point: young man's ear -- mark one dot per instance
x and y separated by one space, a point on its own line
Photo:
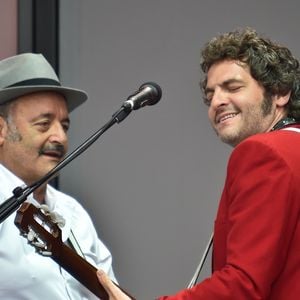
281 101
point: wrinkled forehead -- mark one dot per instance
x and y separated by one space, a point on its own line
226 70
40 99
40 103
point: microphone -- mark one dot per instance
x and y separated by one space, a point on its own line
149 93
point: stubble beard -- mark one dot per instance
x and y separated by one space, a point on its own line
252 124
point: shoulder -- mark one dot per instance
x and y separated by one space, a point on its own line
256 145
276 142
63 201
75 215
274 150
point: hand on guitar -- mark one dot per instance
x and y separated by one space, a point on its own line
45 235
112 290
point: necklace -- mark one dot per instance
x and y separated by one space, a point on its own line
283 122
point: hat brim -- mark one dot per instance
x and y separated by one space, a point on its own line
73 97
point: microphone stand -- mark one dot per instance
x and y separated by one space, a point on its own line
201 263
21 193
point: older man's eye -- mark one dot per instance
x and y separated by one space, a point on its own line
44 125
65 127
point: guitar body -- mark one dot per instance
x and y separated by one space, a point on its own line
45 236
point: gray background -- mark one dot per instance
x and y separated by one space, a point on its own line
152 183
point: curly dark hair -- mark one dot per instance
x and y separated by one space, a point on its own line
270 64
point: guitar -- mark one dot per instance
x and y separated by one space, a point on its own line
45 236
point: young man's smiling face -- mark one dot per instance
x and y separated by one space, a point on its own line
238 106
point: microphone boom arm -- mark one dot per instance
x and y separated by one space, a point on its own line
21 193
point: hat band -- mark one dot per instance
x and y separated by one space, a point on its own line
35 81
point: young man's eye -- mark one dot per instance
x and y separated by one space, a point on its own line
234 88
207 97
207 101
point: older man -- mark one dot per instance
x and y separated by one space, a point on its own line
34 122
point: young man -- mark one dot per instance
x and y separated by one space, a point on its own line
252 89
34 121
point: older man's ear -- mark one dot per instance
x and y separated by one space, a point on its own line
3 129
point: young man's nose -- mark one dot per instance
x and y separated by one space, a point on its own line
219 98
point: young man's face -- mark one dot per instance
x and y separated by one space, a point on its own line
237 104
34 138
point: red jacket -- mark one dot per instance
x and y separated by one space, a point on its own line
257 229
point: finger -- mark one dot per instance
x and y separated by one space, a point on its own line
113 291
104 279
107 283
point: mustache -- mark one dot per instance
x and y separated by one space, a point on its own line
59 149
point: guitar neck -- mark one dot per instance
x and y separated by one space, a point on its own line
80 269
31 219
83 271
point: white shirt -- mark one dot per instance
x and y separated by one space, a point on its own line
25 274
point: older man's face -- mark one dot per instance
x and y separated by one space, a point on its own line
34 138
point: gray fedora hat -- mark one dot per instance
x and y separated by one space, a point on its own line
29 73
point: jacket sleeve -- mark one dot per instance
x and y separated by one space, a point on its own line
258 211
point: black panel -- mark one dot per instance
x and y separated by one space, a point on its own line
38 29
